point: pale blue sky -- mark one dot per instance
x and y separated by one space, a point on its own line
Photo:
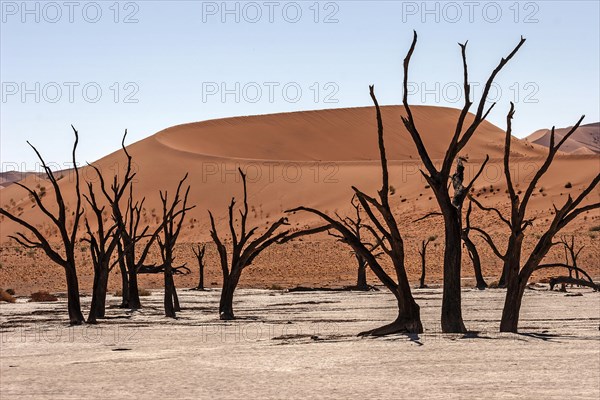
172 56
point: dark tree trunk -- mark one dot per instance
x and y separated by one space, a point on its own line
98 306
502 280
408 320
201 279
176 305
133 292
515 288
124 285
423 253
452 321
169 295
474 255
73 304
422 284
361 280
512 305
226 303
512 258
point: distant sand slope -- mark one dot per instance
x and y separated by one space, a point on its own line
585 140
9 177
309 158
330 135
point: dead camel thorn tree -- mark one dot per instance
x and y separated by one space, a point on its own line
472 250
573 253
68 236
423 254
199 252
355 225
247 244
117 235
173 217
518 274
451 205
103 243
468 243
134 238
387 234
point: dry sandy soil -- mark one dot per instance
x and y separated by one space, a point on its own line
303 345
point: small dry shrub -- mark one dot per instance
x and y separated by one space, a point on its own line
41 296
7 297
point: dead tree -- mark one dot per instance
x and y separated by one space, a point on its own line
387 234
246 245
133 238
65 257
115 236
472 251
103 243
573 281
423 254
199 252
173 217
356 226
573 253
124 278
518 274
468 243
438 179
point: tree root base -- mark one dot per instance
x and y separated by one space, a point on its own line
226 317
398 326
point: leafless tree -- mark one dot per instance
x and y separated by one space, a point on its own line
387 234
439 179
199 252
572 252
518 273
114 236
472 250
247 244
103 243
571 256
173 217
356 226
65 257
136 243
423 254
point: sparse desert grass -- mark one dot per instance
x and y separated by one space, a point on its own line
41 296
275 287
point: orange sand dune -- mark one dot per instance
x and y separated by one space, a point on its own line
585 140
311 158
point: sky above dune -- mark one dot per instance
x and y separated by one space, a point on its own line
146 65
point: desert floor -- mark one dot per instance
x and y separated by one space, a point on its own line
303 345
